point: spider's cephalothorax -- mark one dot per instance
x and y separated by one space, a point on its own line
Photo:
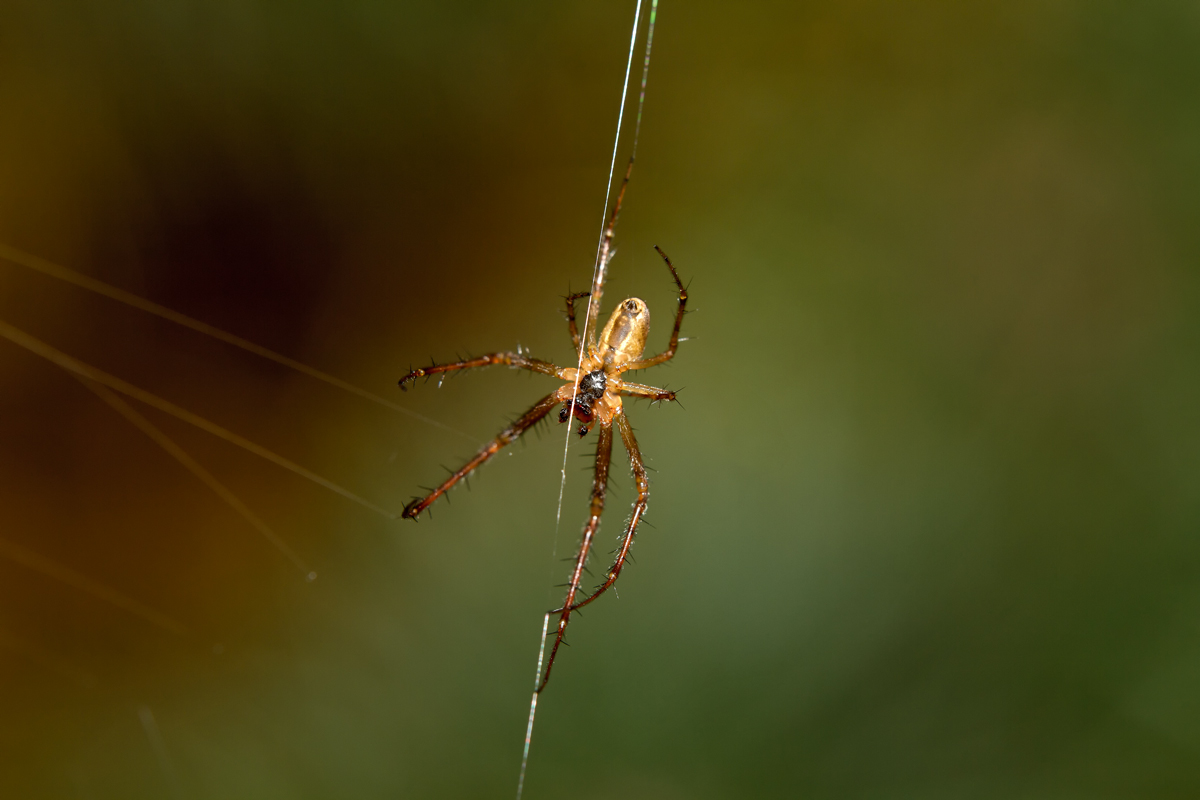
591 393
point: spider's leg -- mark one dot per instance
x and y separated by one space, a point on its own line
669 353
603 256
507 359
639 509
651 393
599 485
575 340
507 436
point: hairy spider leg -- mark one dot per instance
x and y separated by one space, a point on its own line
651 393
506 437
575 340
588 346
669 353
603 256
639 509
599 486
507 359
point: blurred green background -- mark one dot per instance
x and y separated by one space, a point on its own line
927 527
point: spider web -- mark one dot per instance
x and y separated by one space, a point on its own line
599 272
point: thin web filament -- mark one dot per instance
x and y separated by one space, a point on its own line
598 274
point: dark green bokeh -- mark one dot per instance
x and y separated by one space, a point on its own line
926 528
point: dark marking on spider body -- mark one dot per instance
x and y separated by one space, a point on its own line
591 390
592 385
592 393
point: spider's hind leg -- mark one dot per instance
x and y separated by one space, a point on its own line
599 487
639 509
517 360
506 437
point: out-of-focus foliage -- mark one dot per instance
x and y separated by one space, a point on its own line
926 528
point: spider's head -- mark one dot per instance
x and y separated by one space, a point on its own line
624 337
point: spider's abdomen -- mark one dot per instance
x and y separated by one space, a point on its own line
624 337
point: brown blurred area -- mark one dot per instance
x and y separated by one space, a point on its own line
926 526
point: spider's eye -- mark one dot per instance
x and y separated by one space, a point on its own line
631 305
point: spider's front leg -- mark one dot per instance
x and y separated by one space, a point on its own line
507 436
507 359
599 485
575 340
603 256
673 345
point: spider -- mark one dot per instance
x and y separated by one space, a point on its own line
592 394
